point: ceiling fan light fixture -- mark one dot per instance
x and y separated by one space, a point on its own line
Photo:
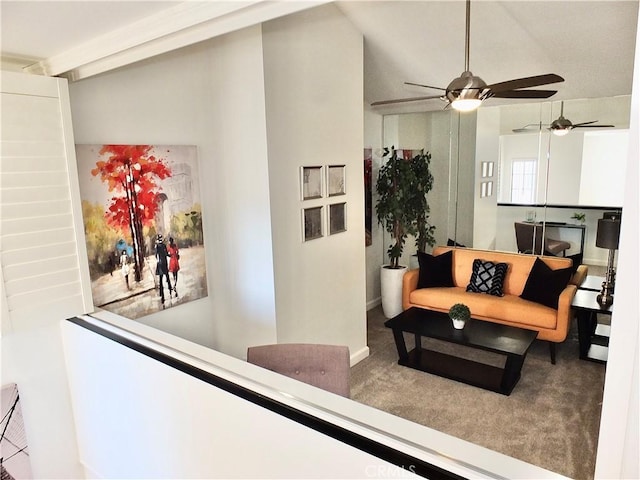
466 104
465 92
561 126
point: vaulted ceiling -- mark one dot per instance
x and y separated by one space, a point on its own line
591 44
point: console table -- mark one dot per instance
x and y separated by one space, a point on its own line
593 337
582 228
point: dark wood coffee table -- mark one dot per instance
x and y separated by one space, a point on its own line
493 337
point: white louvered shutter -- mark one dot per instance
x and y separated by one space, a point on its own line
45 276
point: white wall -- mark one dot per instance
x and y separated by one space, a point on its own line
619 440
210 95
604 162
314 80
255 123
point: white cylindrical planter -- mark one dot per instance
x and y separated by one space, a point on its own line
391 290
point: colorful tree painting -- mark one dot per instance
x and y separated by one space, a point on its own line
132 174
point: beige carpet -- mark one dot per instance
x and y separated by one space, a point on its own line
551 419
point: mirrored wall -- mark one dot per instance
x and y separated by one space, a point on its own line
504 165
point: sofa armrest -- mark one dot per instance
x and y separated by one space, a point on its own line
580 275
409 284
564 312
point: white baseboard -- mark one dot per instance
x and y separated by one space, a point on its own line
374 303
594 261
359 355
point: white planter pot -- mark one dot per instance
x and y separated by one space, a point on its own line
391 290
458 324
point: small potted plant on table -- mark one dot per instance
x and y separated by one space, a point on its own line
459 314
579 218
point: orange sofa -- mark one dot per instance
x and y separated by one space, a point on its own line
551 324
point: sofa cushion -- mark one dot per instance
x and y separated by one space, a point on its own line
519 265
545 285
487 277
510 309
435 271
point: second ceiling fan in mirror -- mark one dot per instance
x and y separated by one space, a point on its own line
466 92
560 126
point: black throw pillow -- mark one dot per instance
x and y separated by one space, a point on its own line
545 285
435 271
452 243
577 261
487 277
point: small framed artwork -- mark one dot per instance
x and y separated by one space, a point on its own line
337 218
487 169
311 182
486 189
311 223
336 180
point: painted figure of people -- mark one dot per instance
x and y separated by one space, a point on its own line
174 263
124 267
162 266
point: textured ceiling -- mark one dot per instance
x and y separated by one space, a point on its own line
590 44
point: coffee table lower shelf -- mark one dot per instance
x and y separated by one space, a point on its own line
477 374
511 342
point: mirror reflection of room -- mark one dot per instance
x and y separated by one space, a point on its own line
504 166
562 182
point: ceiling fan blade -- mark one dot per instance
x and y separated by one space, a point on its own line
403 100
425 86
530 127
522 94
582 125
526 82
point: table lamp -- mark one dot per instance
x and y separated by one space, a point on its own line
608 236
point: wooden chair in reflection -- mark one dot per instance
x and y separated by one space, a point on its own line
529 240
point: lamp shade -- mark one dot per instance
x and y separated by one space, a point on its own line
608 235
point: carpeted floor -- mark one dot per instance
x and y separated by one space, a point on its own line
551 419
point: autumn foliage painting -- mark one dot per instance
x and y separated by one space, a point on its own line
143 226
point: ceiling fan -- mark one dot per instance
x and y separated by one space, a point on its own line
466 92
561 126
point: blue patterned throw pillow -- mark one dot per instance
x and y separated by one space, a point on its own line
487 277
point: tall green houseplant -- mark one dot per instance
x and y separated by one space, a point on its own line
419 204
402 207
